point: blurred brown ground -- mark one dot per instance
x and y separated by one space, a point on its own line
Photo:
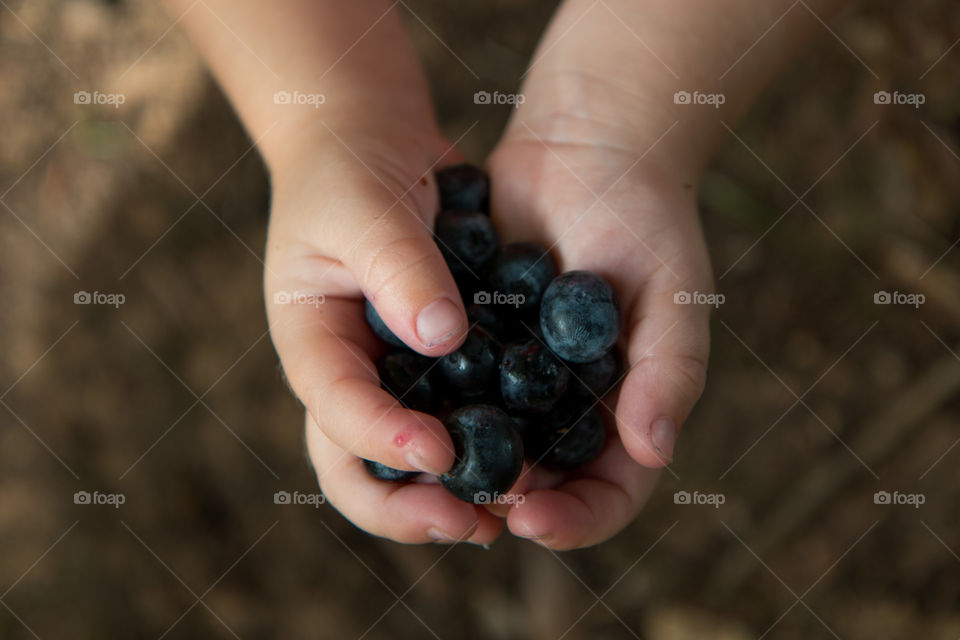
110 206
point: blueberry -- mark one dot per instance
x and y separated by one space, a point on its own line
531 378
467 241
569 436
464 187
580 316
409 377
521 271
472 367
389 474
596 379
526 427
484 316
489 453
461 397
524 326
379 327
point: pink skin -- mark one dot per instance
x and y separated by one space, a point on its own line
666 344
348 237
599 161
328 351
354 202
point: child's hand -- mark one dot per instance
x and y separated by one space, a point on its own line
603 210
353 217
353 208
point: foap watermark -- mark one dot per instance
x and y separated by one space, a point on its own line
911 99
299 297
697 97
296 498
484 497
298 98
97 498
485 97
897 297
912 499
97 97
696 297
712 499
498 297
98 297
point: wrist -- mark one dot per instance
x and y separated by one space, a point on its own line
366 129
334 158
584 109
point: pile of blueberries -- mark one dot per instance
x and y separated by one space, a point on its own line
538 354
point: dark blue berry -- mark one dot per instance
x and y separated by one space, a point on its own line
531 378
460 397
569 436
580 316
489 453
379 327
523 326
520 272
596 379
485 316
473 367
389 474
464 187
467 241
409 377
525 425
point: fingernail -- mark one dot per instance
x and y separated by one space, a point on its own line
438 322
529 535
663 434
543 540
440 535
416 461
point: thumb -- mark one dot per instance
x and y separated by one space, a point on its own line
667 349
385 241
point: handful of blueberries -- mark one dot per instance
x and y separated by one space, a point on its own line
538 354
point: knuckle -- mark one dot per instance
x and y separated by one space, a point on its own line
685 373
392 260
691 372
337 409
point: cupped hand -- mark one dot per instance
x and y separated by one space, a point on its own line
352 218
607 209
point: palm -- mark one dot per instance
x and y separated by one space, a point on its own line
601 210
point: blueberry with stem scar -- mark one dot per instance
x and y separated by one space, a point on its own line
473 367
531 378
463 187
489 453
467 241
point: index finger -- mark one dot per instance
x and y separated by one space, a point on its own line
326 352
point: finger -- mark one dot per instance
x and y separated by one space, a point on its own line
591 508
409 513
668 344
531 478
325 353
384 238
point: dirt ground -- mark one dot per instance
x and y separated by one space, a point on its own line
817 399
